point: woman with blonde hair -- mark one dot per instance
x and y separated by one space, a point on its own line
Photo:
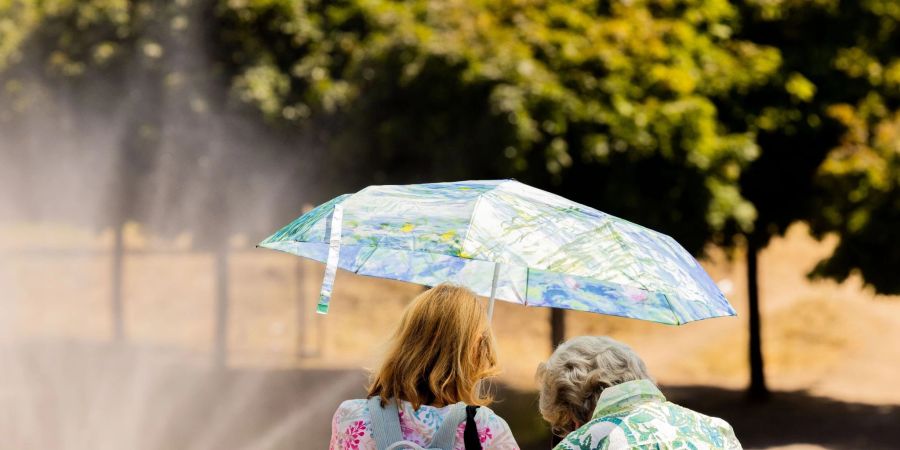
597 394
428 392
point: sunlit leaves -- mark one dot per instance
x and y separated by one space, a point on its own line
849 76
573 80
18 18
800 87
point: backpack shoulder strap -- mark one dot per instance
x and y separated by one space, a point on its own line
385 422
445 436
470 435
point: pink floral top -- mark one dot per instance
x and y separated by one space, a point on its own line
350 427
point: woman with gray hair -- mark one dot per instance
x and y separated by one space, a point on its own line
597 393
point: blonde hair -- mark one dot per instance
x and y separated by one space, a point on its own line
572 380
440 353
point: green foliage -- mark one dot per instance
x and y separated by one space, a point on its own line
135 84
829 137
78 44
861 181
17 20
553 85
861 175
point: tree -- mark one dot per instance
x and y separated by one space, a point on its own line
859 180
145 73
826 125
84 49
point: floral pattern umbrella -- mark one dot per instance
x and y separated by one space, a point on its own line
509 241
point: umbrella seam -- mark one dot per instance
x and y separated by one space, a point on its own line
678 319
472 216
618 239
527 277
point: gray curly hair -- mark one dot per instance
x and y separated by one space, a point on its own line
572 380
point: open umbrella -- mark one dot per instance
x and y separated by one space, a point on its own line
508 241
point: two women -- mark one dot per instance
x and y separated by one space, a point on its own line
428 392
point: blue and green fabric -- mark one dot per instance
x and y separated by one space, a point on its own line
548 251
635 414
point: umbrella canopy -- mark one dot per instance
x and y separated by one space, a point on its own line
520 243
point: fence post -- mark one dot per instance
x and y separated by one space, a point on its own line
220 350
118 262
301 310
303 319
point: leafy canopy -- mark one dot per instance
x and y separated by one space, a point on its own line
562 85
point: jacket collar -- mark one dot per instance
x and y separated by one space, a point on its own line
622 396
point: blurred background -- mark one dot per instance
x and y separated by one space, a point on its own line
147 145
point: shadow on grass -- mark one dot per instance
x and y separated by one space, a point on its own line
78 396
787 418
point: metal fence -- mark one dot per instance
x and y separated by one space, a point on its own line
62 291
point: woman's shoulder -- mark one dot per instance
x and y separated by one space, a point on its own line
351 426
598 434
353 409
485 413
354 403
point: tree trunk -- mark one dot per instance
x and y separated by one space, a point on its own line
557 327
758 389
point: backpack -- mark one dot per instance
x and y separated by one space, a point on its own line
388 436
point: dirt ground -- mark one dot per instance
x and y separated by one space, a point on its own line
832 350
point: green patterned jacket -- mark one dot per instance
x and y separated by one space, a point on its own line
636 415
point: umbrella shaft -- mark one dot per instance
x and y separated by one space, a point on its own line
490 311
